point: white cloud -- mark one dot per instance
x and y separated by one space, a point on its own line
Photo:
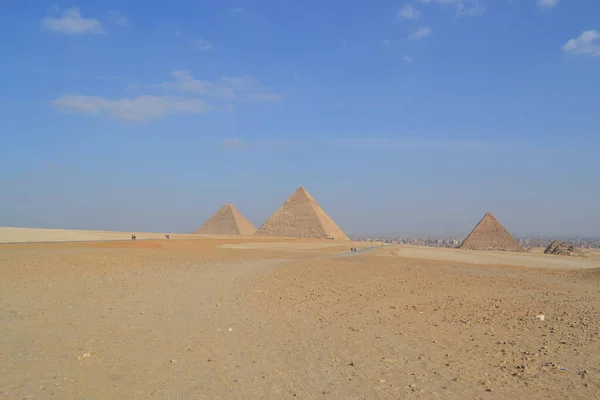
547 3
118 17
407 59
587 43
186 83
242 88
238 10
193 97
408 11
234 143
467 8
421 33
72 23
137 109
203 45
386 42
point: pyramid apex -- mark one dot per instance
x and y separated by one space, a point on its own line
302 194
228 206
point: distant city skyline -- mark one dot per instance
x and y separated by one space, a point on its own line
399 117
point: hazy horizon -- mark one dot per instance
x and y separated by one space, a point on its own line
123 117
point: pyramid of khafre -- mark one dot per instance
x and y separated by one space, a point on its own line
301 217
227 221
489 234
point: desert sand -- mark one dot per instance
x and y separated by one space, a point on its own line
199 317
31 235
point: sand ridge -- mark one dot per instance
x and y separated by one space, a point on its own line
35 235
527 260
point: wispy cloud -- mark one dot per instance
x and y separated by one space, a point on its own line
234 143
408 11
242 88
421 33
118 17
203 45
547 3
407 59
587 43
238 10
386 42
467 8
192 96
72 23
137 109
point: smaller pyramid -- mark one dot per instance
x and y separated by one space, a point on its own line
489 234
562 249
227 221
301 217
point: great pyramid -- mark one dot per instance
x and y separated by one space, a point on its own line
301 217
489 234
227 221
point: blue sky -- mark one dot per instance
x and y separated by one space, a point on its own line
398 116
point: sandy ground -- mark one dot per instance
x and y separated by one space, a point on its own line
532 260
197 318
30 235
